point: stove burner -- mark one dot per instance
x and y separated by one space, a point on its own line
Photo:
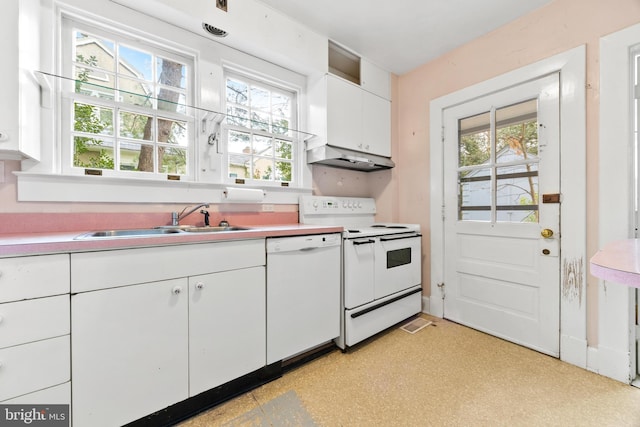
395 226
378 226
354 231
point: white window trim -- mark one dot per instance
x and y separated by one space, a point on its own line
298 152
572 69
616 353
44 182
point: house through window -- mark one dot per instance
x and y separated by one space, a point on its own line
127 110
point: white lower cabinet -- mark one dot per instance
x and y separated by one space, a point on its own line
129 349
227 336
139 348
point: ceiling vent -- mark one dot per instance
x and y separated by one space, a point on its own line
214 30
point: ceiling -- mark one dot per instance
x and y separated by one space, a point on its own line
401 35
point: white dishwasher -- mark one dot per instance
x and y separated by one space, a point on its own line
303 293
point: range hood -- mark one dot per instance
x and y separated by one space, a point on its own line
347 159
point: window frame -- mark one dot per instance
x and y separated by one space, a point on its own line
65 116
294 139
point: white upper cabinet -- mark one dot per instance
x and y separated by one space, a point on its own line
358 103
374 79
19 91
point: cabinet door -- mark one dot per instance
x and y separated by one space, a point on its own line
374 79
376 120
129 351
227 331
344 114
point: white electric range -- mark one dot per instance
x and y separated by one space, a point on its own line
381 267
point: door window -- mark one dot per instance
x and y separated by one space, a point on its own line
498 165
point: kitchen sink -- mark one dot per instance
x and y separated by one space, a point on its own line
154 232
212 229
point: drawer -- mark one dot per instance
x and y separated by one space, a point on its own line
35 366
107 269
33 320
56 395
33 277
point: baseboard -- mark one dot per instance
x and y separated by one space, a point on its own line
592 359
614 364
573 350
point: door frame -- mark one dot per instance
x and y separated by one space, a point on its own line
573 264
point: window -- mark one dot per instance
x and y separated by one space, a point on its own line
259 132
126 114
498 165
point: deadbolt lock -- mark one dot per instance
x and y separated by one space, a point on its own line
546 233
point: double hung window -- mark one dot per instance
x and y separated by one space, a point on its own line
258 128
125 105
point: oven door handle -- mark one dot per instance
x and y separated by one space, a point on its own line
363 242
387 239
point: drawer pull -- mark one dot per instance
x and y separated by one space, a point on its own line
176 290
199 285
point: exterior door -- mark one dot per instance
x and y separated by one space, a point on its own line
502 214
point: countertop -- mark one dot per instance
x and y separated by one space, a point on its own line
48 243
618 262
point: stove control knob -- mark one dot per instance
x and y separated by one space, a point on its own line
359 204
344 204
315 204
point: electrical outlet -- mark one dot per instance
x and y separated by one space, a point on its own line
268 208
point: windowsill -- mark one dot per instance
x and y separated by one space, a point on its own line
35 187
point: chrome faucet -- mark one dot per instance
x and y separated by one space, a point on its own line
177 217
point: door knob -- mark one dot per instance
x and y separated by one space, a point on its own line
546 233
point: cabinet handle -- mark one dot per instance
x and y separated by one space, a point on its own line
176 290
366 147
199 285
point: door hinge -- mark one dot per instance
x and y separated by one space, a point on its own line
442 134
441 286
636 92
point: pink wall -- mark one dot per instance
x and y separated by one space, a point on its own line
555 28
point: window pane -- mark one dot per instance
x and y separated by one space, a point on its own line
238 116
280 105
517 193
280 126
92 153
283 149
94 83
283 171
172 160
136 92
474 195
260 99
136 126
239 166
517 132
239 142
135 63
94 51
262 145
92 119
474 147
262 168
260 121
173 132
237 92
130 155
171 73
169 100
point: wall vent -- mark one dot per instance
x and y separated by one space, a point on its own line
214 30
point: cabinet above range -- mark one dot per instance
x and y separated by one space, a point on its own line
351 114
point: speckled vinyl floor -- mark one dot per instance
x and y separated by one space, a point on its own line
443 375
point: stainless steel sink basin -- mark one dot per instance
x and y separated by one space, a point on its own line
142 232
212 229
151 232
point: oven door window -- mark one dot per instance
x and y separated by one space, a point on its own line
398 257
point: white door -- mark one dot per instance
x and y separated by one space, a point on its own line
502 197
